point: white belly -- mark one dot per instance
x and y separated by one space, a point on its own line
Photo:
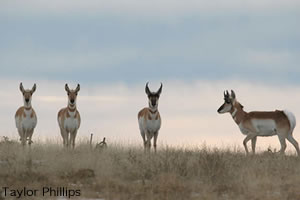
266 127
26 123
243 130
150 126
29 123
71 124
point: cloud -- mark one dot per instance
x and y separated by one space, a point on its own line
133 41
273 60
188 110
43 60
156 9
197 48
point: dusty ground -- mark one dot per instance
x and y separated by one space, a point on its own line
122 172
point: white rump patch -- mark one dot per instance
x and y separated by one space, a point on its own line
292 119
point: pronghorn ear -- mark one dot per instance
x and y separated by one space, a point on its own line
21 87
147 90
77 88
160 89
242 106
232 94
67 88
33 89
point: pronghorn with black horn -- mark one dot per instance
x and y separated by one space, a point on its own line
25 116
149 118
69 118
253 124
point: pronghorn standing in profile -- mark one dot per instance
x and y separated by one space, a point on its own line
25 116
149 118
253 124
69 118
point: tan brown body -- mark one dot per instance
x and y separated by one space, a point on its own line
26 121
149 119
253 124
147 114
21 112
69 118
278 117
149 124
66 114
25 116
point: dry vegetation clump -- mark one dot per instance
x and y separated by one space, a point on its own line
122 172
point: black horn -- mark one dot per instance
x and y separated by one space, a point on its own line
147 90
160 89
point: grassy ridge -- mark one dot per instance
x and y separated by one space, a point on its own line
123 172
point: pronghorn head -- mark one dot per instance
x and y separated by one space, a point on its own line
153 97
72 94
229 102
27 94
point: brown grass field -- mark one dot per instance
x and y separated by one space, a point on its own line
123 172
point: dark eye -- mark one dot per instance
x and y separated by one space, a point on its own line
68 93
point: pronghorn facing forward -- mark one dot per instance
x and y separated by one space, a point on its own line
25 116
69 118
253 124
149 118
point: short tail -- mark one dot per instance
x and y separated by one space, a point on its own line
292 119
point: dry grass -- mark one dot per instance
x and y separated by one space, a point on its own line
123 172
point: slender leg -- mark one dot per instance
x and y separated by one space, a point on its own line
148 141
72 138
155 140
144 140
24 137
30 133
20 131
68 139
292 140
64 135
282 143
249 137
253 143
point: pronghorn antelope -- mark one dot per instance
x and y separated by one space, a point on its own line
149 118
253 124
69 118
25 116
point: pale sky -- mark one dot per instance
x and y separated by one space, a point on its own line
197 48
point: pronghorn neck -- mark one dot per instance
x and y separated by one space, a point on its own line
71 108
153 110
237 112
27 108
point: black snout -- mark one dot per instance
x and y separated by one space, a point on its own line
153 103
221 108
72 101
27 100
